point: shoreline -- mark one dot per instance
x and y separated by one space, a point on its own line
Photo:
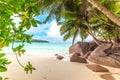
42 54
49 68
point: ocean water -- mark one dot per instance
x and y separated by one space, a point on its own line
42 48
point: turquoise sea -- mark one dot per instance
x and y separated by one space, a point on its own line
39 48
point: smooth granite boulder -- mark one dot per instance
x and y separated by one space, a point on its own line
77 58
81 50
99 56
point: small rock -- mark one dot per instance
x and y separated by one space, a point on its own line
59 56
97 68
107 77
77 58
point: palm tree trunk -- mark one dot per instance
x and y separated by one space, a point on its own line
95 39
105 11
90 32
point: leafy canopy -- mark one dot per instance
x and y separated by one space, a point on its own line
79 19
26 11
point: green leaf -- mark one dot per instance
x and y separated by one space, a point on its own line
1 78
27 24
7 62
35 10
67 36
2 54
34 22
29 68
22 51
63 29
3 69
38 22
74 36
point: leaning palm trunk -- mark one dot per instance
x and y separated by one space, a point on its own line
95 39
105 11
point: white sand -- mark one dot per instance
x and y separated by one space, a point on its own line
49 68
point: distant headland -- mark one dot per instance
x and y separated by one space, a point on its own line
39 40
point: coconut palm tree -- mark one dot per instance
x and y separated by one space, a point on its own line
108 28
106 11
81 18
73 13
73 24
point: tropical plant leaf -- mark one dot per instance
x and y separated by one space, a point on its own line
2 55
29 68
75 35
3 69
1 78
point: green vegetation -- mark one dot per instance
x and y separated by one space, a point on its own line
25 10
81 18
3 62
38 40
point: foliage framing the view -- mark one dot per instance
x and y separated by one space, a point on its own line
25 10
80 18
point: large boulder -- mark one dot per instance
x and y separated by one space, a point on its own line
80 47
106 54
99 56
81 50
76 58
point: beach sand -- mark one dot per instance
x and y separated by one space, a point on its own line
49 68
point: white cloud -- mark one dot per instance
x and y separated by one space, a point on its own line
53 33
54 30
37 30
51 30
48 31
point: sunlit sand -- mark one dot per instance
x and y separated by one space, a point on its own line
49 68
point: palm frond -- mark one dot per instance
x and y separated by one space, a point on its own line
75 35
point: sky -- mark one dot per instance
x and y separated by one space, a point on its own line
49 31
